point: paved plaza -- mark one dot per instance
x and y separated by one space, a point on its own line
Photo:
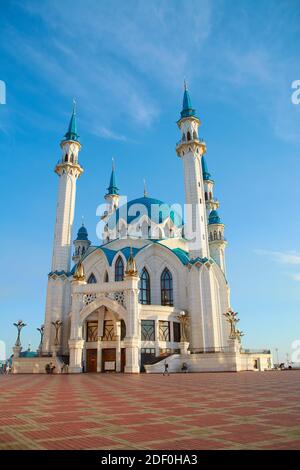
246 410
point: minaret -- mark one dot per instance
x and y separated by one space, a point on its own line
191 149
210 202
81 243
217 242
58 289
112 203
69 170
112 195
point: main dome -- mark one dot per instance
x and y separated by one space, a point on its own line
157 211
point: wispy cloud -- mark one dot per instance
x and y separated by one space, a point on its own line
287 257
295 276
106 133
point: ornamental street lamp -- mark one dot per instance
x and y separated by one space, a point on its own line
57 325
19 325
41 331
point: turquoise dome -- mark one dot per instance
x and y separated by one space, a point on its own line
158 211
82 233
214 218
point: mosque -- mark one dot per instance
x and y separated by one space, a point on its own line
155 291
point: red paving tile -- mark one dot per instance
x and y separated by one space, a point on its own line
182 411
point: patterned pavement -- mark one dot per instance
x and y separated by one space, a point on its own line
247 410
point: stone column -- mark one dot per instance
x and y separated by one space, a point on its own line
99 342
118 346
132 340
99 355
75 347
132 356
76 342
156 326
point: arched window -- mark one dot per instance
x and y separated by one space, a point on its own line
210 195
119 269
66 157
166 287
188 135
106 278
206 196
220 235
145 288
92 279
195 135
215 235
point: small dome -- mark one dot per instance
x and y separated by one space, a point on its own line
214 218
82 233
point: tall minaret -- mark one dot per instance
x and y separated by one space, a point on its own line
191 149
68 170
58 289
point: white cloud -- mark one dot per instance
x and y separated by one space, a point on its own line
288 257
106 133
295 276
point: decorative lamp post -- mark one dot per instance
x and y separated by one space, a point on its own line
239 334
232 319
57 325
20 324
17 347
184 325
41 331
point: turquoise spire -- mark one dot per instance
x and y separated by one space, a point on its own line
187 109
205 172
71 134
113 189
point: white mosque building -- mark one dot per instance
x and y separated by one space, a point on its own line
155 291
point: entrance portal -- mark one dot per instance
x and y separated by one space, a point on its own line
108 359
91 360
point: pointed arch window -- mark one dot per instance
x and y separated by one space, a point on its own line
92 279
166 287
145 297
119 269
188 135
106 278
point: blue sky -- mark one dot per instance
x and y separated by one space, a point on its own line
125 62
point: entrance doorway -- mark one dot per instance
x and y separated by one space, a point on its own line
108 359
147 357
91 360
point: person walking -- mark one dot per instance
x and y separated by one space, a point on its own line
166 371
